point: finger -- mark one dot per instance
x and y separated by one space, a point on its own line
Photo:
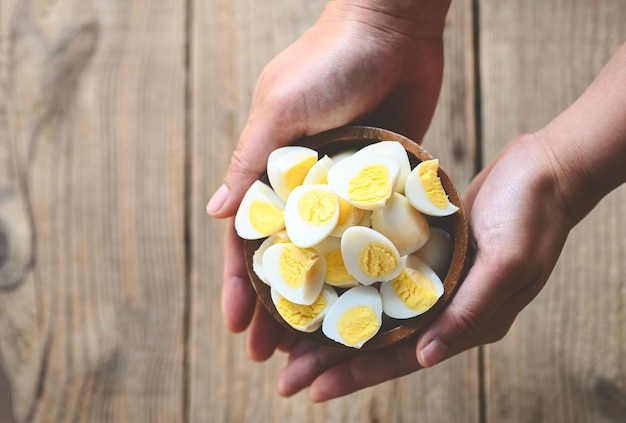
265 334
302 370
365 370
300 348
238 296
288 342
489 283
270 126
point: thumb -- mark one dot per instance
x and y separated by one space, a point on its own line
247 164
464 323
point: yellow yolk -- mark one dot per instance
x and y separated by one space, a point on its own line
377 260
432 183
345 209
298 265
358 324
411 287
317 207
298 314
296 174
267 218
370 185
336 272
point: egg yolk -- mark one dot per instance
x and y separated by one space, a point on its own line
371 185
345 209
298 265
317 206
300 315
336 272
377 260
266 218
432 184
358 324
296 174
411 288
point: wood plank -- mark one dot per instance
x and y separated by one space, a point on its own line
231 43
93 331
563 359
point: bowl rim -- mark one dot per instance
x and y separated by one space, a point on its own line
393 331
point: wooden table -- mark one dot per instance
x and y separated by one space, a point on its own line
117 119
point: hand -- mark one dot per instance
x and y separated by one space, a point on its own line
519 223
356 64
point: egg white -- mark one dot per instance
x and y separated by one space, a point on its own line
281 161
319 172
405 226
437 252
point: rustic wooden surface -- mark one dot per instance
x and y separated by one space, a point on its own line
117 118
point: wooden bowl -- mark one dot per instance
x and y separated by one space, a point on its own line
392 330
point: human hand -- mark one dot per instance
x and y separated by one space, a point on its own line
519 222
361 62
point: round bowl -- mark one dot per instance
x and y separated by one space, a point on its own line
392 330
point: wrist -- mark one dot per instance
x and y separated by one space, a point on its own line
423 19
587 142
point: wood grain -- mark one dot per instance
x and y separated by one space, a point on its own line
93 329
231 43
563 359
117 121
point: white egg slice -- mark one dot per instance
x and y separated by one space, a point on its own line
336 273
342 155
319 171
305 318
257 257
425 192
405 226
311 214
396 151
348 216
413 292
355 318
369 256
260 214
364 180
296 273
437 252
288 166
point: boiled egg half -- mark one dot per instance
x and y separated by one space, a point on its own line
424 190
355 317
260 214
413 292
369 256
296 273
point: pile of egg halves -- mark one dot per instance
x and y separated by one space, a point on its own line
347 238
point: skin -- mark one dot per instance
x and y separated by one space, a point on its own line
521 207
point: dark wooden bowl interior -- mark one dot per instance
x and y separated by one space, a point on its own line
392 330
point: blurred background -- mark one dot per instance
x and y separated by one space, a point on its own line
117 120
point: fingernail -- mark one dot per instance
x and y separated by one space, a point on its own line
433 352
217 201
